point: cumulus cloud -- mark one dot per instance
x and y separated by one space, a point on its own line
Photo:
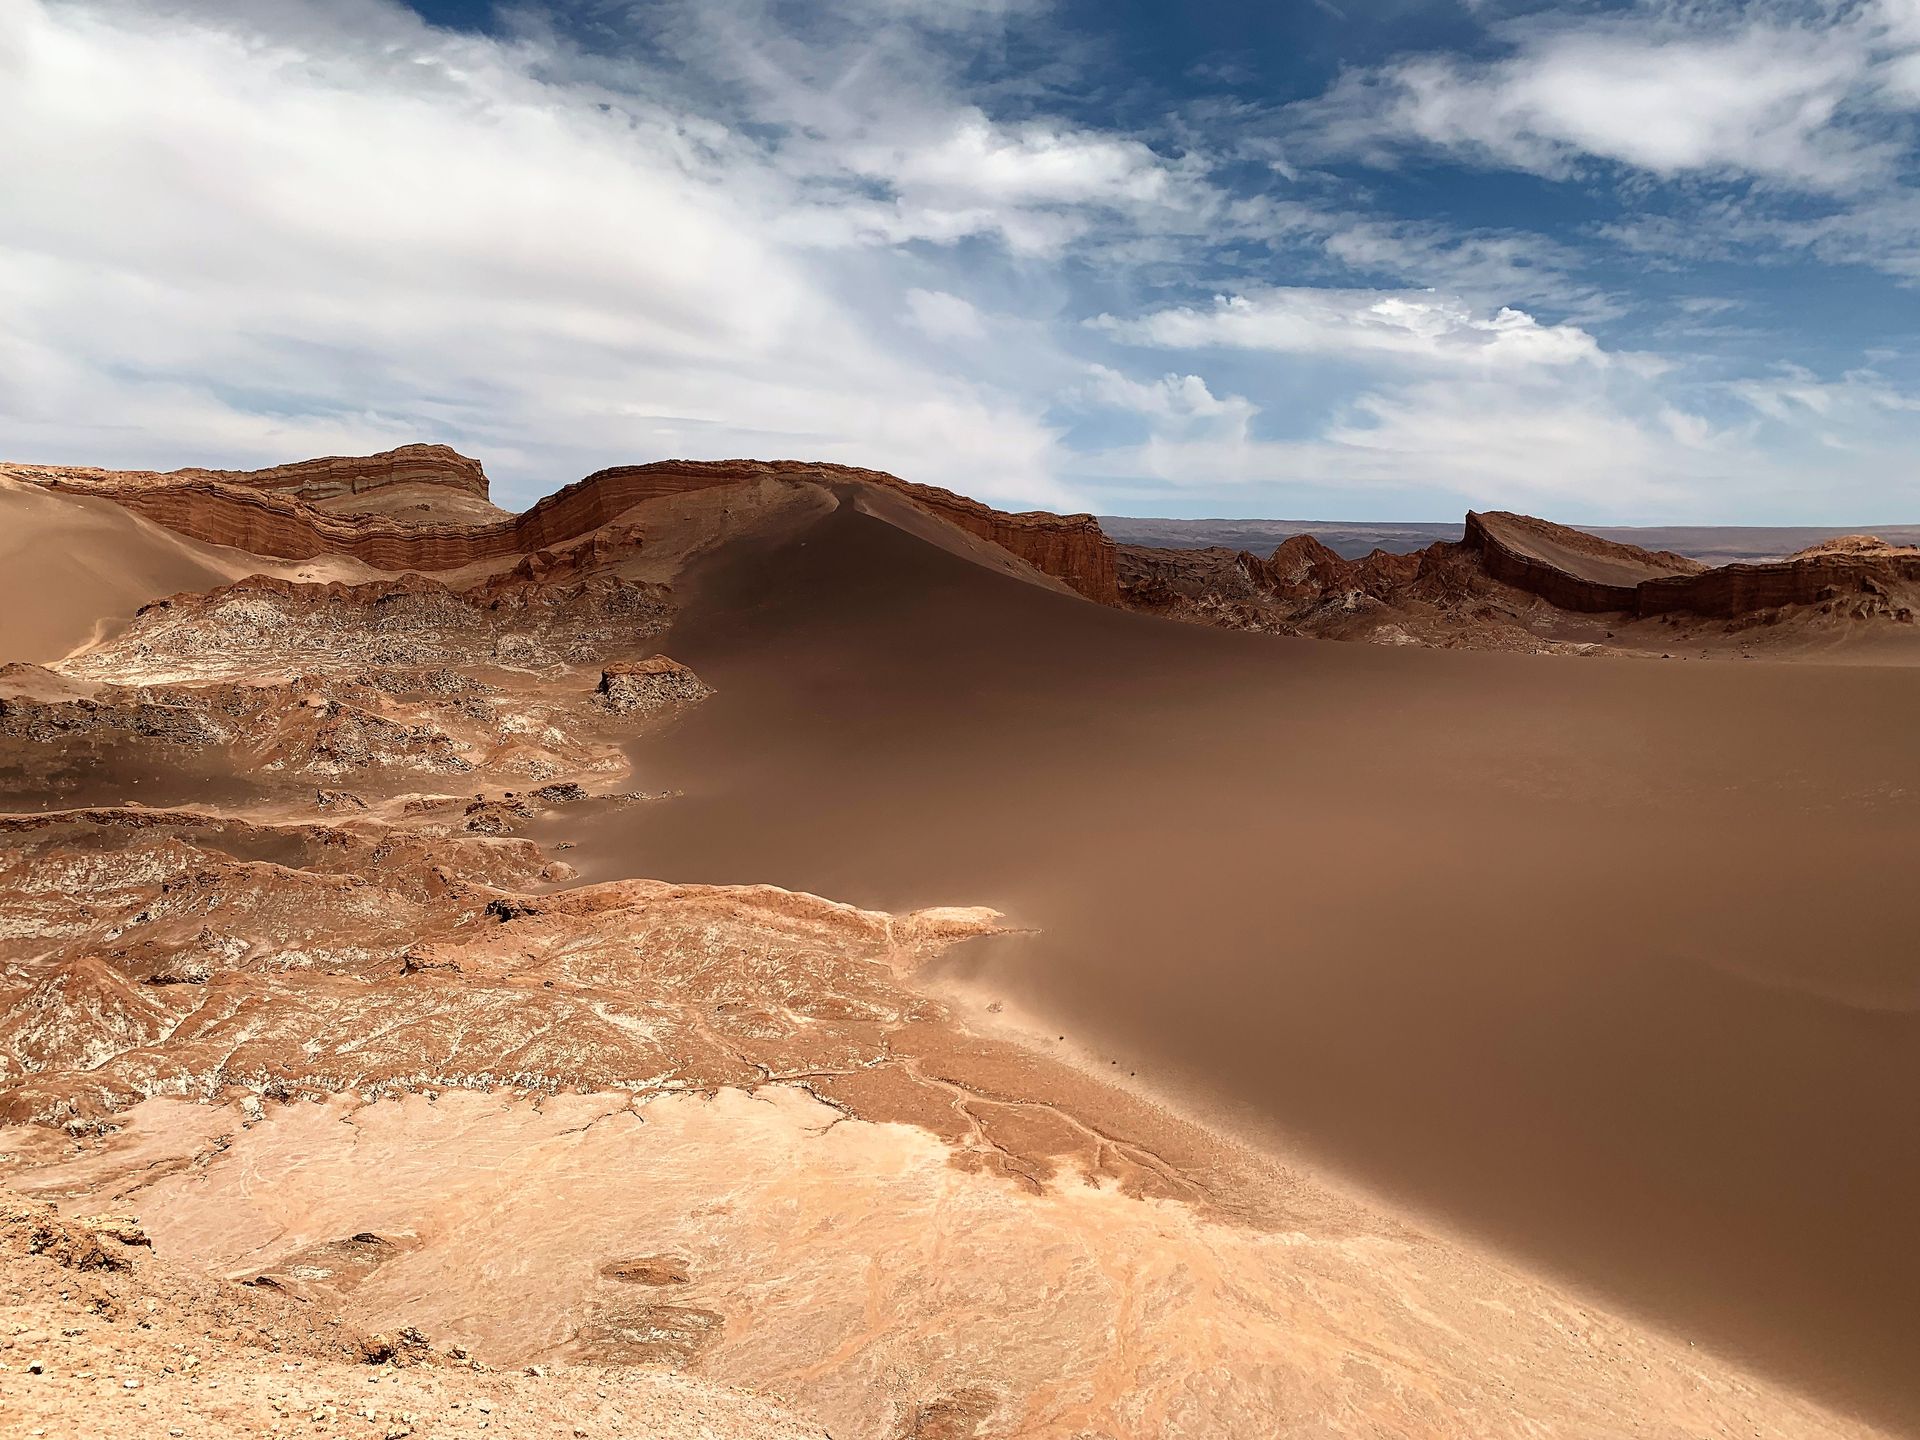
1175 407
1416 326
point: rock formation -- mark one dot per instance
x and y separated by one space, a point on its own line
332 477
267 512
649 685
1566 567
1516 582
1862 582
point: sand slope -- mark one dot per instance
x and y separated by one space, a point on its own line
1608 960
71 568
1603 961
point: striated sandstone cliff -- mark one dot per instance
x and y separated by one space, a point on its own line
268 512
333 476
1072 548
1565 567
326 478
1580 572
1813 578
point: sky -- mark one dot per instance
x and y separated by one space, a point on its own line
1355 259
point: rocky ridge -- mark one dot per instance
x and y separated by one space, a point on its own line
1518 583
1512 581
271 515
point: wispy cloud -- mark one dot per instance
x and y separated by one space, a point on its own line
1810 100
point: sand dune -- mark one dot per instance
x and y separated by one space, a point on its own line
1600 964
71 568
1605 960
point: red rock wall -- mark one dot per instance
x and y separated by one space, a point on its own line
334 475
231 511
265 523
1743 588
1727 591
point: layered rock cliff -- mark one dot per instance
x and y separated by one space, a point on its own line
1580 572
1071 548
1818 577
269 512
329 477
1565 567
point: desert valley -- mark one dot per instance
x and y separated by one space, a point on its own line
763 949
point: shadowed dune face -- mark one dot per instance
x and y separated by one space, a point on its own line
72 569
1607 960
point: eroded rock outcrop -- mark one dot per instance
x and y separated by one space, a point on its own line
1567 567
367 964
1514 582
263 624
333 476
1882 580
325 479
649 685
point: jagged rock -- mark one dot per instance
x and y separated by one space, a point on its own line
90 1244
496 817
649 685
123 1229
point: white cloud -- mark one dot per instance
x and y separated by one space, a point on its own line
222 243
940 316
1498 266
946 176
861 113
1174 406
976 160
1463 443
1579 443
1794 393
1672 90
240 234
1410 325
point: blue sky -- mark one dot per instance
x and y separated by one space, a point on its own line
1345 259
